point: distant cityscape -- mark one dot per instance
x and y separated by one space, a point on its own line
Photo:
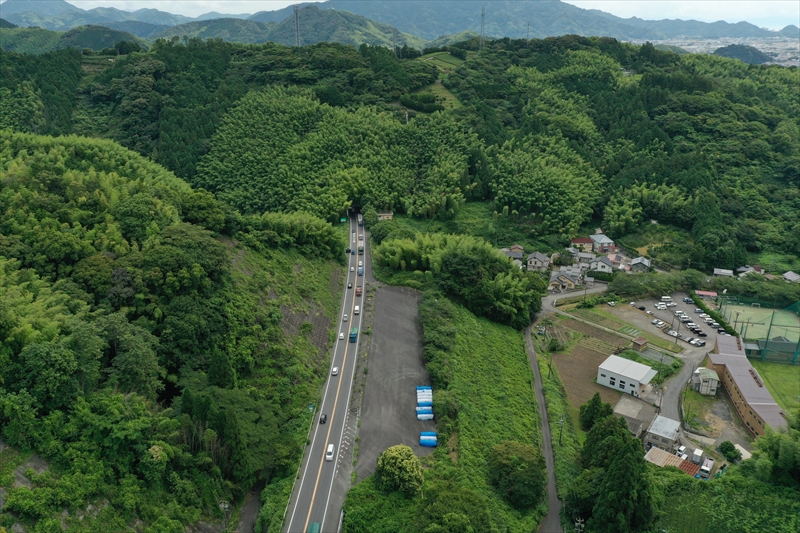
785 51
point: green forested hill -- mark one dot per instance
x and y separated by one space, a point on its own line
747 54
315 26
39 41
227 29
6 24
147 356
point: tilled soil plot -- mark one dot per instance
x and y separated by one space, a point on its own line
592 331
578 371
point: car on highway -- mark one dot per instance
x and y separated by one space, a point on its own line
360 237
344 318
341 336
349 285
323 418
329 453
352 269
335 371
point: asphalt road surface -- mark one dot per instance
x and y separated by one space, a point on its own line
316 496
396 367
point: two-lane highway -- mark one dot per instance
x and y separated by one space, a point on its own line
311 497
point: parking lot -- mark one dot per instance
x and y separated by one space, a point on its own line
388 415
644 319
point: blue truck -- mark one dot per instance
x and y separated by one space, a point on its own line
360 271
353 334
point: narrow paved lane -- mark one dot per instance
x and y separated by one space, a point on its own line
552 521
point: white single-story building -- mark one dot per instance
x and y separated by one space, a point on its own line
624 375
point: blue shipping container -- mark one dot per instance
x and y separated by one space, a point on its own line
424 387
427 433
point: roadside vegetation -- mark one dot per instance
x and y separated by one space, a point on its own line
151 366
483 398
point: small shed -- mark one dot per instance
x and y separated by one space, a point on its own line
385 215
640 344
705 381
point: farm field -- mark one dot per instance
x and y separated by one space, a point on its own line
578 371
603 318
783 381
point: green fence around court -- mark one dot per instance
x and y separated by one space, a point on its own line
769 334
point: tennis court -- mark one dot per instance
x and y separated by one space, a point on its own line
757 323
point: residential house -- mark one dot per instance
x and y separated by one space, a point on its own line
385 215
561 281
514 252
576 271
624 375
517 263
616 260
601 264
663 433
585 244
538 261
791 277
602 244
705 381
750 398
723 272
641 264
584 257
637 413
659 457
516 248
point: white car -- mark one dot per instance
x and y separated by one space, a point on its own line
344 318
352 269
672 304
341 336
335 371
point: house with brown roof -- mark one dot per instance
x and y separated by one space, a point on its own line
752 401
583 243
538 261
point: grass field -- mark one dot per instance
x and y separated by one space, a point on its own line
447 99
443 60
783 381
754 322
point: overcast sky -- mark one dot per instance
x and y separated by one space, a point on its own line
773 14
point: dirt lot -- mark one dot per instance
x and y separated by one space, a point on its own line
578 371
597 333
395 368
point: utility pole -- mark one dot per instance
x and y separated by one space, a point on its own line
483 18
297 26
528 35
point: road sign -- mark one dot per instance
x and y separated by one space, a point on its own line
343 219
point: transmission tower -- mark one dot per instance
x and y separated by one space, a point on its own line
297 26
483 18
528 35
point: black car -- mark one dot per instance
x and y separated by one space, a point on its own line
702 334
641 308
687 300
323 419
347 250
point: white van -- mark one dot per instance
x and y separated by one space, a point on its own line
666 298
356 311
329 453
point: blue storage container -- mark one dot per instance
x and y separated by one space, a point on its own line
423 387
428 433
425 404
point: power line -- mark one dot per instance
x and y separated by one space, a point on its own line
483 19
297 26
